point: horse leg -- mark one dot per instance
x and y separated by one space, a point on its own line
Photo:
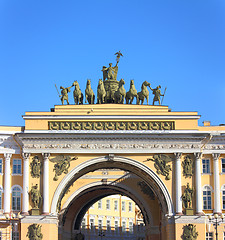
147 99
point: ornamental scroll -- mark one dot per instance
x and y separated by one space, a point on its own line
130 125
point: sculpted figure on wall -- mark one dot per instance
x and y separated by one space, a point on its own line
62 164
34 232
187 197
187 165
189 232
36 197
35 167
161 164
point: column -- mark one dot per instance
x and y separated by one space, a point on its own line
178 183
46 184
25 204
198 183
217 207
7 184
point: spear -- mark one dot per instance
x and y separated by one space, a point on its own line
57 91
164 95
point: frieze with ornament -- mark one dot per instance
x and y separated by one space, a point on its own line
130 125
111 146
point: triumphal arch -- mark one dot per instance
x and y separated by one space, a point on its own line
169 165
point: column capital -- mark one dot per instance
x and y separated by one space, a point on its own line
198 155
7 155
25 156
216 156
178 155
46 156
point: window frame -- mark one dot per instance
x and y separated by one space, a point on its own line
15 199
16 167
1 166
100 204
207 237
205 169
116 208
108 207
207 198
222 168
123 206
130 207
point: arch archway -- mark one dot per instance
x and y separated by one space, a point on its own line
118 162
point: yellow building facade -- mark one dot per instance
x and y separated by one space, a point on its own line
145 151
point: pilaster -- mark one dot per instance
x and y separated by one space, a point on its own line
25 203
46 183
198 183
217 207
7 184
178 183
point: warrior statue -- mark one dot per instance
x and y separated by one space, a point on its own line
157 94
64 94
187 197
36 197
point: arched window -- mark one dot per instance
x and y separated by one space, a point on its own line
223 196
16 198
207 197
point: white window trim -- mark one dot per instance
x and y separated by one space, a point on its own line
17 174
209 166
21 190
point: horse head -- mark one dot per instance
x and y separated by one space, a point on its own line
122 82
131 83
88 82
76 84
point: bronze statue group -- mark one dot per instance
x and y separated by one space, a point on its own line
110 90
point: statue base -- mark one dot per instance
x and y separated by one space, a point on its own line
35 211
189 211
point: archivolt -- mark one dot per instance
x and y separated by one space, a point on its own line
126 164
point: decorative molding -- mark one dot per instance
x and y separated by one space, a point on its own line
111 125
198 155
216 156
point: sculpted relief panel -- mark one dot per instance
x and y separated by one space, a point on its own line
131 125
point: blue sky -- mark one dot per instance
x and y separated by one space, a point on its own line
179 44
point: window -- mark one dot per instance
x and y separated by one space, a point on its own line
17 169
100 204
223 235
205 166
130 206
131 227
223 196
16 199
107 204
0 235
123 206
207 198
92 224
1 168
209 236
99 223
116 205
223 165
116 226
0 200
15 236
108 225
83 223
123 226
